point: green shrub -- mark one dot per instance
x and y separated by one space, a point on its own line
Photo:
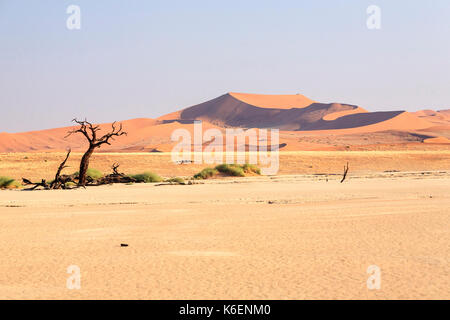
234 170
251 168
231 170
147 177
8 183
205 173
70 184
92 173
176 180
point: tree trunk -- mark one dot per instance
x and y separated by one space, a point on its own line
84 165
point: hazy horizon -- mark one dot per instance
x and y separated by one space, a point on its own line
144 59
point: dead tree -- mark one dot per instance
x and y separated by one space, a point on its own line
90 133
57 183
35 185
345 173
115 177
114 168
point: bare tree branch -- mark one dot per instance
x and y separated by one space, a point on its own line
114 167
56 184
345 173
42 184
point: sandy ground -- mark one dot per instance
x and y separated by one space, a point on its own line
36 166
284 237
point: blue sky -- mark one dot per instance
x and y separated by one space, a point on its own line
147 58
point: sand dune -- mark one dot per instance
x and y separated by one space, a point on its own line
441 117
300 234
143 135
295 115
273 101
339 114
437 140
373 122
227 110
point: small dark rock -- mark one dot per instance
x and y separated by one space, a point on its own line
124 245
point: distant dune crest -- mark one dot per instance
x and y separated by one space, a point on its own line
298 117
273 101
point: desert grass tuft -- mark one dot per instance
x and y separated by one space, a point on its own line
146 177
251 168
70 184
176 180
206 173
91 173
233 170
8 183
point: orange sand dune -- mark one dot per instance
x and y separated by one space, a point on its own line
273 101
229 111
144 135
439 130
402 121
437 140
295 115
171 116
441 117
339 114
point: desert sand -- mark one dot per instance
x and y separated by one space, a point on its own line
272 101
300 234
281 237
36 166
303 123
